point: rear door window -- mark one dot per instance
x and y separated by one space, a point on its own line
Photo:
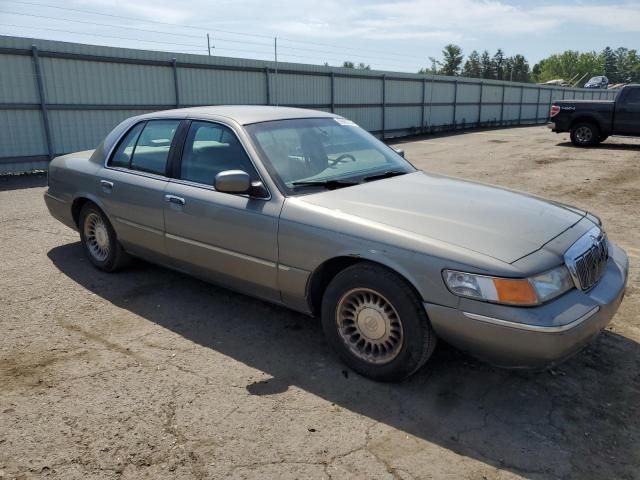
152 148
124 152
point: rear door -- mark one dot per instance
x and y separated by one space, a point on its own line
132 185
228 238
627 116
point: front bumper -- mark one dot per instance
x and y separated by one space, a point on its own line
534 337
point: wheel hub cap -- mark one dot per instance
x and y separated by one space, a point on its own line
369 325
102 237
97 237
584 134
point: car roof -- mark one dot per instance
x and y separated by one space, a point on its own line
244 114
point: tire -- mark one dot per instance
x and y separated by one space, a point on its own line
585 134
99 240
376 323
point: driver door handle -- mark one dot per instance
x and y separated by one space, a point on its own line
174 199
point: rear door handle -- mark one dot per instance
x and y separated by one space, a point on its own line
106 185
174 199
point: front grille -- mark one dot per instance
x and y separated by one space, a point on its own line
590 264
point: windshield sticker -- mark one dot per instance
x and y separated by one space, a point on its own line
344 121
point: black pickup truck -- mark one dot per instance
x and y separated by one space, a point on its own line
592 121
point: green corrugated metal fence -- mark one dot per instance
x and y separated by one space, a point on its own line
58 97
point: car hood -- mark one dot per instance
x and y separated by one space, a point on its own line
493 221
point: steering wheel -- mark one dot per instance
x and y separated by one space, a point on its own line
342 158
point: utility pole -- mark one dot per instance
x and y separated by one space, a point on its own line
275 53
208 45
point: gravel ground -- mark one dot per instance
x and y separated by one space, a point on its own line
151 374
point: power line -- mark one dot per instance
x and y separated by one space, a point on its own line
136 19
202 29
222 39
196 50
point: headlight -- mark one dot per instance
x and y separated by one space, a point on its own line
510 291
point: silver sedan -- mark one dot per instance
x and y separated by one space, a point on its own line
307 210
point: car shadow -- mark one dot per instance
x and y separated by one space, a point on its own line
578 420
607 146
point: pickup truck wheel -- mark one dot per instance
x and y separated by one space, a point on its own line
99 240
585 134
377 324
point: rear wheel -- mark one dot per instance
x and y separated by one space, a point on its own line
99 240
377 324
585 134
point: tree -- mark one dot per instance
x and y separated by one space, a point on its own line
499 64
472 67
517 69
486 65
627 65
452 59
432 70
609 66
570 65
359 66
536 71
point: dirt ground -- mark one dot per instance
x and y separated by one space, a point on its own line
151 374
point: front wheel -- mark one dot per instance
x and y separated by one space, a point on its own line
585 134
377 324
99 240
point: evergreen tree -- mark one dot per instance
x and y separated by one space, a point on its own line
452 59
609 66
486 66
472 67
499 64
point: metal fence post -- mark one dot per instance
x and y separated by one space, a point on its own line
538 107
43 101
424 100
333 92
455 101
520 106
384 104
176 87
504 89
480 105
268 87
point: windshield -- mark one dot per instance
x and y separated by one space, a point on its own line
312 153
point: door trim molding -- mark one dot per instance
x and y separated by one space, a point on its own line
137 225
231 253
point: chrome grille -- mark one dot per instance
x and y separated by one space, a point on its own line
587 258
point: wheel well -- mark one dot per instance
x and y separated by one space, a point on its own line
327 271
76 206
585 120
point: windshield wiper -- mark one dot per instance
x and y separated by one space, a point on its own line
387 174
328 184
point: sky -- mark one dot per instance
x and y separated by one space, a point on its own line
386 34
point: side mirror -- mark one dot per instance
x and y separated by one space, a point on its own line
399 151
232 181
